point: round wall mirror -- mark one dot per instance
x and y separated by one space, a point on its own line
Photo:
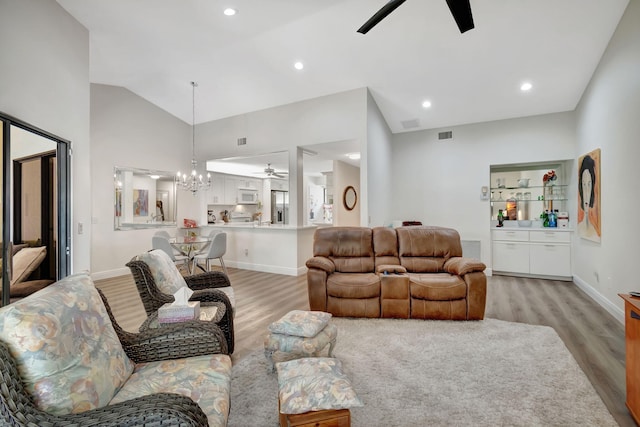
349 198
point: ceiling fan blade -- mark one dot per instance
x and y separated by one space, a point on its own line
461 11
380 15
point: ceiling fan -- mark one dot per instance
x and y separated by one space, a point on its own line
269 171
460 9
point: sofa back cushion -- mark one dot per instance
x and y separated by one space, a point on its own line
164 271
426 249
350 248
385 246
68 354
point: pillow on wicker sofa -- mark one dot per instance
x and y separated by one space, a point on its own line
313 384
164 271
75 361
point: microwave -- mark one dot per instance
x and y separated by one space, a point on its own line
247 197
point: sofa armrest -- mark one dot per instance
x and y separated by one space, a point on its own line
461 266
211 279
176 341
391 269
321 263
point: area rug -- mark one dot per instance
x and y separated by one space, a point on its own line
441 373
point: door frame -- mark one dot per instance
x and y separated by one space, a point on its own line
63 160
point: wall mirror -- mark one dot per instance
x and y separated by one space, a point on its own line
144 198
349 198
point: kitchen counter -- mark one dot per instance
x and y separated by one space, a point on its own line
266 227
281 249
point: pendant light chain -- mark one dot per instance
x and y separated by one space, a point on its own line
195 181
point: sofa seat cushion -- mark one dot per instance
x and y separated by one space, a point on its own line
205 379
167 277
353 285
437 286
65 346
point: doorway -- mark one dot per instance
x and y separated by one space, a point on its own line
35 199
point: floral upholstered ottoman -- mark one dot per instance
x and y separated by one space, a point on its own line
300 333
315 391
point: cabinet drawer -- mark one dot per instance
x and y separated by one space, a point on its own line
511 257
511 235
549 236
550 259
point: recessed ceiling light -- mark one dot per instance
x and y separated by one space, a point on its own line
229 11
154 176
353 156
426 104
526 86
298 65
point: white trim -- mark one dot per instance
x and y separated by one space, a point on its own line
614 310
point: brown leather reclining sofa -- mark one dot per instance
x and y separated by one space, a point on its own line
407 272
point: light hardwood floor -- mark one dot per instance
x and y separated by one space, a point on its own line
591 334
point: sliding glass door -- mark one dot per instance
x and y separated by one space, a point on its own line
36 207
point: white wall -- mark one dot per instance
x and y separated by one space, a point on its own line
608 117
127 131
45 82
375 171
439 182
345 175
337 117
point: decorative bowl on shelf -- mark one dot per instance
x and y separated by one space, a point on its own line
523 182
524 223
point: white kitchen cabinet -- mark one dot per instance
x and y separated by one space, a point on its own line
541 252
280 184
230 190
216 192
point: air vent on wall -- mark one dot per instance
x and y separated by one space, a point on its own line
242 141
445 135
410 124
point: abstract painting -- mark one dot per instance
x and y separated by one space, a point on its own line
140 202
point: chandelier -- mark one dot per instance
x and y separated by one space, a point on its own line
195 181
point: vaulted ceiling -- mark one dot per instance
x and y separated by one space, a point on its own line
244 63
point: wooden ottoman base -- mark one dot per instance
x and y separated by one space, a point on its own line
325 418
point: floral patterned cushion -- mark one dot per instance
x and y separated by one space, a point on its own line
301 345
313 384
164 271
67 351
205 379
301 323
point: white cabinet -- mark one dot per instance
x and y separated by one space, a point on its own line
280 184
230 190
511 256
550 252
216 192
534 252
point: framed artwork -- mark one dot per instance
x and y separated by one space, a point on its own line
589 196
140 202
118 203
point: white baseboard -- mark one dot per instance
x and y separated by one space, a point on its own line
614 310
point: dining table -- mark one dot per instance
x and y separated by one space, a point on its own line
190 245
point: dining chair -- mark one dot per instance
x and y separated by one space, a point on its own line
162 243
166 235
217 248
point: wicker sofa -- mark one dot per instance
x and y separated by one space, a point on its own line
407 272
65 361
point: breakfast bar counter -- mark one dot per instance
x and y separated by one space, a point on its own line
281 249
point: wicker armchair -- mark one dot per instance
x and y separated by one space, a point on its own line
204 286
180 341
